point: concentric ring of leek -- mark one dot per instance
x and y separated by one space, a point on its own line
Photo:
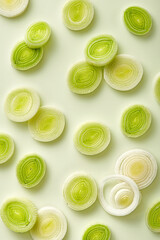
19 215
137 20
24 58
22 104
135 121
6 147
30 170
80 191
97 232
92 138
51 224
123 73
37 34
12 8
78 14
157 87
84 78
153 218
101 50
119 195
139 165
47 125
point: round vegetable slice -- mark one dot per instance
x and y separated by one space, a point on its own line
98 232
12 8
24 58
92 138
101 50
22 104
137 20
78 14
157 87
19 215
153 218
123 73
47 125
6 147
84 78
80 191
135 121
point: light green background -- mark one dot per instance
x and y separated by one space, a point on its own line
105 105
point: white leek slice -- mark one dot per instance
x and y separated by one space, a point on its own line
97 232
12 8
51 224
153 218
123 73
6 147
157 87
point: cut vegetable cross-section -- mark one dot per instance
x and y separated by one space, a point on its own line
6 147
153 218
97 232
12 8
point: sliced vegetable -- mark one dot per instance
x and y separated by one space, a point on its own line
6 147
12 8
153 218
157 88
80 191
123 73
97 232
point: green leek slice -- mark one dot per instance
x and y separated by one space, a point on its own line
153 218
157 87
97 232
6 147
12 8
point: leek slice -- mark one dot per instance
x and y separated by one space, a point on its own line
47 125
157 87
19 215
135 121
137 20
22 104
84 78
51 224
101 50
31 170
97 232
153 218
123 73
139 165
80 191
78 14
6 147
12 8
24 58
92 138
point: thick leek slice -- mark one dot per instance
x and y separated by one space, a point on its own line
123 73
92 138
78 14
47 125
101 50
51 224
135 121
139 165
19 215
80 191
153 218
6 147
84 78
157 88
22 104
12 8
24 58
97 232
137 20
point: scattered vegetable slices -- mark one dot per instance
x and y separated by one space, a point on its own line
157 87
6 147
98 232
12 8
153 218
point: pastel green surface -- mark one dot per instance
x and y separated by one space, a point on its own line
157 88
6 147
98 232
153 218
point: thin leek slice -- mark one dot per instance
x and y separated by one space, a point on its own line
51 224
47 125
12 8
24 58
157 88
101 50
139 165
138 20
6 147
135 121
97 232
119 195
153 218
84 78
92 138
78 14
37 34
22 104
123 73
80 191
31 170
19 215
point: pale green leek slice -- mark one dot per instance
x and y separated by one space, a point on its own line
135 121
137 20
80 191
97 232
101 50
19 215
84 78
30 170
51 224
47 125
123 73
12 8
24 58
6 147
92 138
153 218
78 14
22 104
157 87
